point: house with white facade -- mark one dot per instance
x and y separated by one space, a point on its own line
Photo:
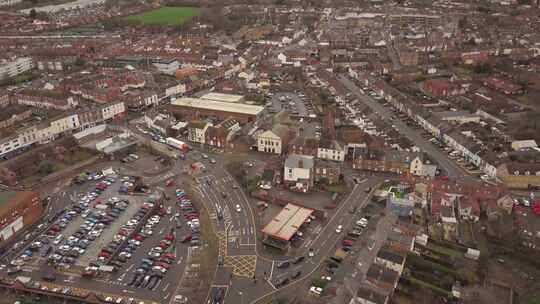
331 150
269 142
15 66
113 110
390 259
298 172
167 66
197 131
419 167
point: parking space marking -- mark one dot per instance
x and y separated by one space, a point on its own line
166 287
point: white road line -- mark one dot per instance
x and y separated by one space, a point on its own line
130 266
157 285
167 296
166 286
180 260
270 282
271 273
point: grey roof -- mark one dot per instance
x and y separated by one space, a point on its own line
370 294
299 161
402 156
382 274
391 256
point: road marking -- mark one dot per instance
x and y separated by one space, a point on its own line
166 287
157 285
166 296
271 272
180 260
128 291
130 266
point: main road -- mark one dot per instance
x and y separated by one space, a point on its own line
238 234
451 168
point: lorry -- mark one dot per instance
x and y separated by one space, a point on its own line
177 144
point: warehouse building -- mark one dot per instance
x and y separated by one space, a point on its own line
18 210
201 109
224 97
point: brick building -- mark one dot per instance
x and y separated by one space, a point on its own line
520 175
13 114
18 210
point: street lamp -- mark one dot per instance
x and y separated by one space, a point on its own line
241 294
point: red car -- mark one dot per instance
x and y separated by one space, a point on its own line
162 212
187 238
169 183
191 217
138 237
88 274
347 243
169 255
164 244
55 228
444 178
105 254
123 232
536 207
164 265
169 237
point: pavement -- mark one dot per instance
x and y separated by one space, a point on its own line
451 169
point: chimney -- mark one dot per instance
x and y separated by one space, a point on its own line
300 164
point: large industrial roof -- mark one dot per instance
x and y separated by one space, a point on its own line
223 97
287 222
218 106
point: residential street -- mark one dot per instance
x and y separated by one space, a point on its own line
450 168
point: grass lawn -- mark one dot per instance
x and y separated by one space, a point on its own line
462 70
524 99
445 250
437 290
533 299
339 188
167 15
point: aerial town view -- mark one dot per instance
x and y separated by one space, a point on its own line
270 151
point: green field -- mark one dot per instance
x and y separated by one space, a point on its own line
166 15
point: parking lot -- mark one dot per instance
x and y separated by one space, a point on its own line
297 105
107 239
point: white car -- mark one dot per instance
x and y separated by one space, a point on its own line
339 229
134 242
238 209
180 299
316 290
265 186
